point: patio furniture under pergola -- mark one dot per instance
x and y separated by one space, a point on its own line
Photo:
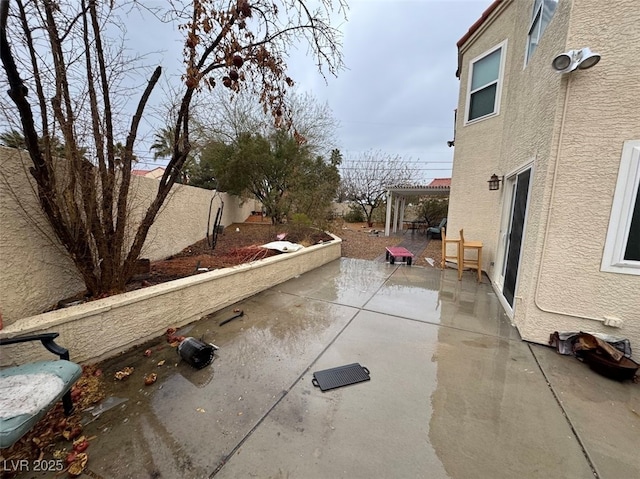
397 196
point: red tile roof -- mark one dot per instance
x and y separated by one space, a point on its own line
479 22
474 28
145 172
440 182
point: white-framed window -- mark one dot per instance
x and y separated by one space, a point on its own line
543 11
622 246
485 84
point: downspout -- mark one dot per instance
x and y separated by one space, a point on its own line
536 299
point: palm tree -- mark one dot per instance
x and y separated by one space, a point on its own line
13 139
162 147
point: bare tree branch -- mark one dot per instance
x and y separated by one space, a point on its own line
367 177
83 177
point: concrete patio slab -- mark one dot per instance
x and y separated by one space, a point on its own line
604 413
439 298
351 282
454 393
190 420
423 414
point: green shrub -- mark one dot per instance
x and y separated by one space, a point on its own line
301 219
354 215
433 210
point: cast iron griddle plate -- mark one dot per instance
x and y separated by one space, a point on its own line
340 376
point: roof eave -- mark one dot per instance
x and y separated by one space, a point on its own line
473 29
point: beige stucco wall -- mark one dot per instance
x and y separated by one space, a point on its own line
105 327
183 219
478 146
35 271
601 114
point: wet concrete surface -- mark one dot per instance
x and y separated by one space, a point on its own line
454 392
413 241
604 413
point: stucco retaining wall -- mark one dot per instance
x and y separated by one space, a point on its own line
105 327
35 270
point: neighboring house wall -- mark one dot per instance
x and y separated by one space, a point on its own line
36 272
156 173
564 238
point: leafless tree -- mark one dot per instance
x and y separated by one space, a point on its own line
62 68
312 121
365 179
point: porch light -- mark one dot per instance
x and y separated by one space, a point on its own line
494 182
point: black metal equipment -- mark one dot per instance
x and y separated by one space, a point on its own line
212 234
340 376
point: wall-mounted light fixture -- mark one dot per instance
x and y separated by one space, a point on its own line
569 61
494 182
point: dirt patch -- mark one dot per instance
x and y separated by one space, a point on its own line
362 242
433 251
239 243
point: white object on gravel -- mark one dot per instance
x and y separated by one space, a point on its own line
283 246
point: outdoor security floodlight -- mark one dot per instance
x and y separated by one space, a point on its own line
569 61
588 58
563 61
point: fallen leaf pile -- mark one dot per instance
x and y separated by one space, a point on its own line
78 464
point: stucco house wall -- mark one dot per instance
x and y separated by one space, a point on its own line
602 113
564 235
35 271
478 146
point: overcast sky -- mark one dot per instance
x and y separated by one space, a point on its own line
399 90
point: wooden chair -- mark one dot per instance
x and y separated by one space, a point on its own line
446 241
464 262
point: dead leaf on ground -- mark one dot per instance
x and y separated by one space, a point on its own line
124 373
77 467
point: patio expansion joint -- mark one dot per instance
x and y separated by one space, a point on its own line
282 396
439 325
566 416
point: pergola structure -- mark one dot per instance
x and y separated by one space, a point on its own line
397 196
